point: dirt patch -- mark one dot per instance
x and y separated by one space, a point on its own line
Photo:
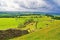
11 33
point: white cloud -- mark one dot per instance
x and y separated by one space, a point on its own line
28 5
8 5
57 2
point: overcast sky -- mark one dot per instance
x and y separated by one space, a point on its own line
30 5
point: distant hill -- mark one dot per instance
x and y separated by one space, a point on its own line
17 13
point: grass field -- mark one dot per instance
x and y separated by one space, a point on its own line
45 28
48 32
6 23
44 34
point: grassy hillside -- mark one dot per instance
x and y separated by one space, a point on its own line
53 34
6 23
49 33
40 27
47 29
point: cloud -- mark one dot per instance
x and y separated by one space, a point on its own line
39 5
30 5
57 2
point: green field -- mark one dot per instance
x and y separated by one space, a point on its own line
41 27
7 23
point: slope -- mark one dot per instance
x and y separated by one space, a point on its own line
49 33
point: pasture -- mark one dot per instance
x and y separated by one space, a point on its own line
47 29
41 27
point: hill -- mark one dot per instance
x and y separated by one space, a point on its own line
50 30
52 33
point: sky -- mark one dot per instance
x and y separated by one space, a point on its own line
30 5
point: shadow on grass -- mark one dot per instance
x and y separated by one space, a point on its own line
11 33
